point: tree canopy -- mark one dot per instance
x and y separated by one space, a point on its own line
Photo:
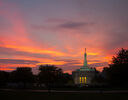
50 74
117 72
4 78
22 74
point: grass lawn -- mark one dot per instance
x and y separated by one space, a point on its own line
25 95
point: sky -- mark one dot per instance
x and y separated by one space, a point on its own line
55 32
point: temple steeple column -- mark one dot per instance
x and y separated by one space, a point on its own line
85 58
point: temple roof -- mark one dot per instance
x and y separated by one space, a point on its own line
85 69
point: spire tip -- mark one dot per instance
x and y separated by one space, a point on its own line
85 50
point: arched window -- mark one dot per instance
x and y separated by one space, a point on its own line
83 80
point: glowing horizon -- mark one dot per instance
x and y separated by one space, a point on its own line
56 32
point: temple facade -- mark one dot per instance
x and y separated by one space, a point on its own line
84 75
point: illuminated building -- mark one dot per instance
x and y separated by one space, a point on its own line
84 75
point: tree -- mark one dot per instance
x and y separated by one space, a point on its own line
117 72
66 78
98 77
4 78
22 75
52 75
49 74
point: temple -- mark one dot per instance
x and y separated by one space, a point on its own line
84 75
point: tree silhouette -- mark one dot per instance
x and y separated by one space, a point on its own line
22 75
52 75
4 78
49 74
117 73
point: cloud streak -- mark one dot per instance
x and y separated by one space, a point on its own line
73 25
17 61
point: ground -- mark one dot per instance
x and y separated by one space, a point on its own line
29 95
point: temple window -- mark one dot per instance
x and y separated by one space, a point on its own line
82 79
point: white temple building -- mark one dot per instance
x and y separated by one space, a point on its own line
84 75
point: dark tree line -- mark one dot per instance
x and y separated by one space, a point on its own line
117 72
4 78
48 75
52 75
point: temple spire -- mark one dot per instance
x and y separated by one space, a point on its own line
85 59
85 50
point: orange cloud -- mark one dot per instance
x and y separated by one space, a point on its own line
108 58
16 65
52 63
34 50
100 68
6 69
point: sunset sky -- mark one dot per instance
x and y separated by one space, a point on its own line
34 32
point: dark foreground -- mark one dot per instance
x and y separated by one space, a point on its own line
29 95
